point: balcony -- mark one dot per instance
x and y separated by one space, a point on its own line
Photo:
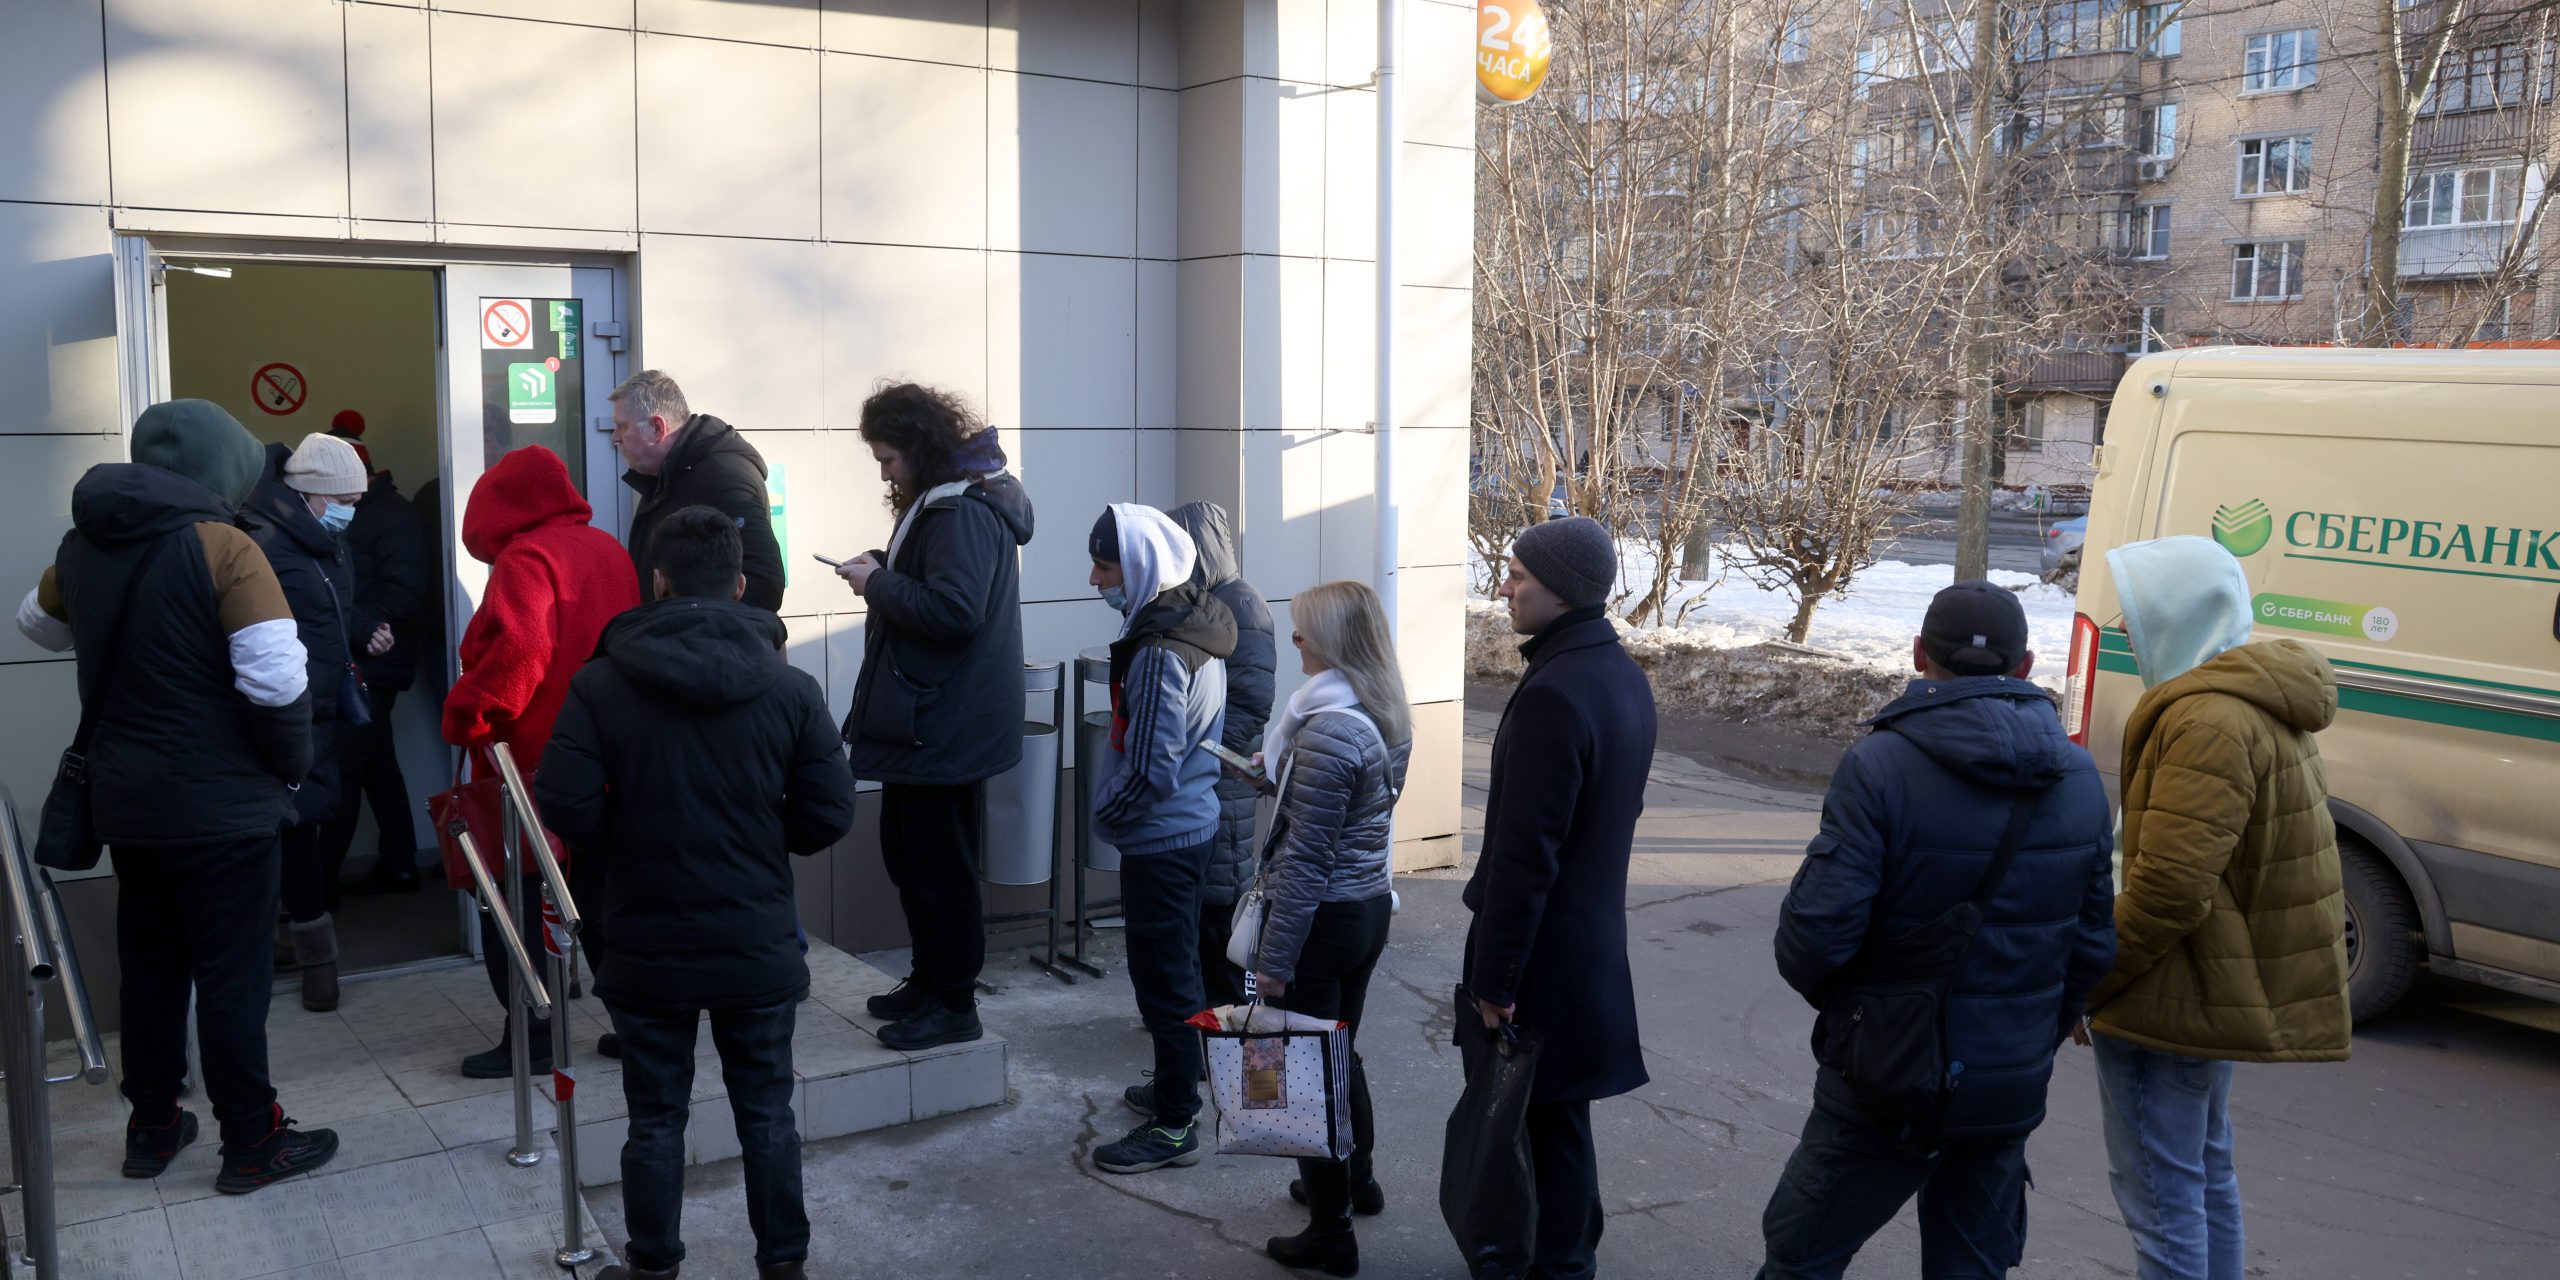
2088 372
2450 253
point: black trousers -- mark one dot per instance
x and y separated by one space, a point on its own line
369 769
1221 982
1160 903
309 886
198 920
930 841
1333 969
1847 1179
1568 1173
657 1083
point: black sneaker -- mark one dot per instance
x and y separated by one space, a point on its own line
499 1062
609 1045
1368 1199
931 1026
617 1271
1140 1098
283 1153
148 1151
1151 1146
901 1002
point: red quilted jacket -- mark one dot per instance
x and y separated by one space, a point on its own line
555 580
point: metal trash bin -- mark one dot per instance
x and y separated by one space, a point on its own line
1022 802
1093 747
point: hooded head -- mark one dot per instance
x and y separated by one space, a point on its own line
527 490
2186 602
1206 522
1148 551
199 440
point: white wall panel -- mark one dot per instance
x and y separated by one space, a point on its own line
1351 175
740 325
53 93
1208 466
953 31
1279 525
1300 32
1351 42
1222 41
1071 476
1210 309
829 487
594 13
1435 216
1431 631
1158 478
1349 527
904 146
1434 339
844 661
1159 378
1350 345
1431 495
1439 93
58 331
899 313
1297 163
390 115
43 694
1211 218
229 104
36 475
742 161
1062 166
782 22
1283 350
1062 336
534 124
1159 176
1160 43
1086 39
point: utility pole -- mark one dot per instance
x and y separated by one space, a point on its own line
1974 418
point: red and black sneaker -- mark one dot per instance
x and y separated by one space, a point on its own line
148 1149
281 1154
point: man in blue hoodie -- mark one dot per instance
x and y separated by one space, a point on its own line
1970 759
1157 799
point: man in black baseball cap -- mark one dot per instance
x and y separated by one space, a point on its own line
1966 792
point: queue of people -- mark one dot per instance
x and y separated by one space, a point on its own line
1962 915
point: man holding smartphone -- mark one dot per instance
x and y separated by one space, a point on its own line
937 709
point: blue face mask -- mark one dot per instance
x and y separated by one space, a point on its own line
336 516
1116 598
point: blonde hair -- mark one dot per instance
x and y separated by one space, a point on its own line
1345 627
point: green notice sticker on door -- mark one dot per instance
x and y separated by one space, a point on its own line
533 395
564 322
2327 617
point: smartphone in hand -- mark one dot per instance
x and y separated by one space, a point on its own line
832 564
1245 765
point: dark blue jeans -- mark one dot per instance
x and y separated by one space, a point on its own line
1848 1179
1160 905
657 1083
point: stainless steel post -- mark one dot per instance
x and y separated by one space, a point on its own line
44 1245
526 1153
563 949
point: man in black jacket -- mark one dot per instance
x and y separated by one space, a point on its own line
1251 674
389 544
937 708
680 459
690 760
202 724
1548 948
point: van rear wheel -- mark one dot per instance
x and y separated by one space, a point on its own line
2384 946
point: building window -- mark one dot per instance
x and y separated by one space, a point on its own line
2279 60
2481 79
2266 271
2160 131
1795 41
2465 197
2275 166
1945 45
2160 29
2493 327
2064 28
2149 334
2150 238
2024 420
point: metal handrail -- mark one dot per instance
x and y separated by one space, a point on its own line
22 904
75 995
493 904
529 821
48 944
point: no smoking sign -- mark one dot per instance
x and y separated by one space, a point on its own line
278 388
506 324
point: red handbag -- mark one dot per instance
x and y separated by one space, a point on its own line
479 804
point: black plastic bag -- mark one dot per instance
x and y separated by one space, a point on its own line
1488 1188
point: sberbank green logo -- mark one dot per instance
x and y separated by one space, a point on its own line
2243 530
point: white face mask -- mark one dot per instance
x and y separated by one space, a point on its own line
336 516
1115 597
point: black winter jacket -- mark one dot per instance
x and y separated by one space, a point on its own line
179 756
1550 890
939 698
1912 819
318 577
1250 680
689 762
388 544
712 466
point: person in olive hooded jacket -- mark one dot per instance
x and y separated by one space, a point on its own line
204 725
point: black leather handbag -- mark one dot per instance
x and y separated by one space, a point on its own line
1884 1025
67 837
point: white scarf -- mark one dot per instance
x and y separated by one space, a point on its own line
898 537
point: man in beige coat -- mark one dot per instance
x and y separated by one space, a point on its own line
2230 942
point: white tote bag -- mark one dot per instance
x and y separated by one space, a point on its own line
1282 1082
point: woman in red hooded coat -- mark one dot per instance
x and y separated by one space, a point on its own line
555 580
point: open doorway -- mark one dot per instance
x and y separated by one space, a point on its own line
295 349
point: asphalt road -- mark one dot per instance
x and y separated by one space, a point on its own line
2017 541
2431 1154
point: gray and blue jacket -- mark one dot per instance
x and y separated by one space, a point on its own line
1159 791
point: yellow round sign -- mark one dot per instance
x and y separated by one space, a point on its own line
1512 50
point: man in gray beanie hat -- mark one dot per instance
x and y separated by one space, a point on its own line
1575 557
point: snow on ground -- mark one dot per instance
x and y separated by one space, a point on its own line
1872 623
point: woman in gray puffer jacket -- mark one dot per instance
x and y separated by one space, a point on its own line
1338 753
